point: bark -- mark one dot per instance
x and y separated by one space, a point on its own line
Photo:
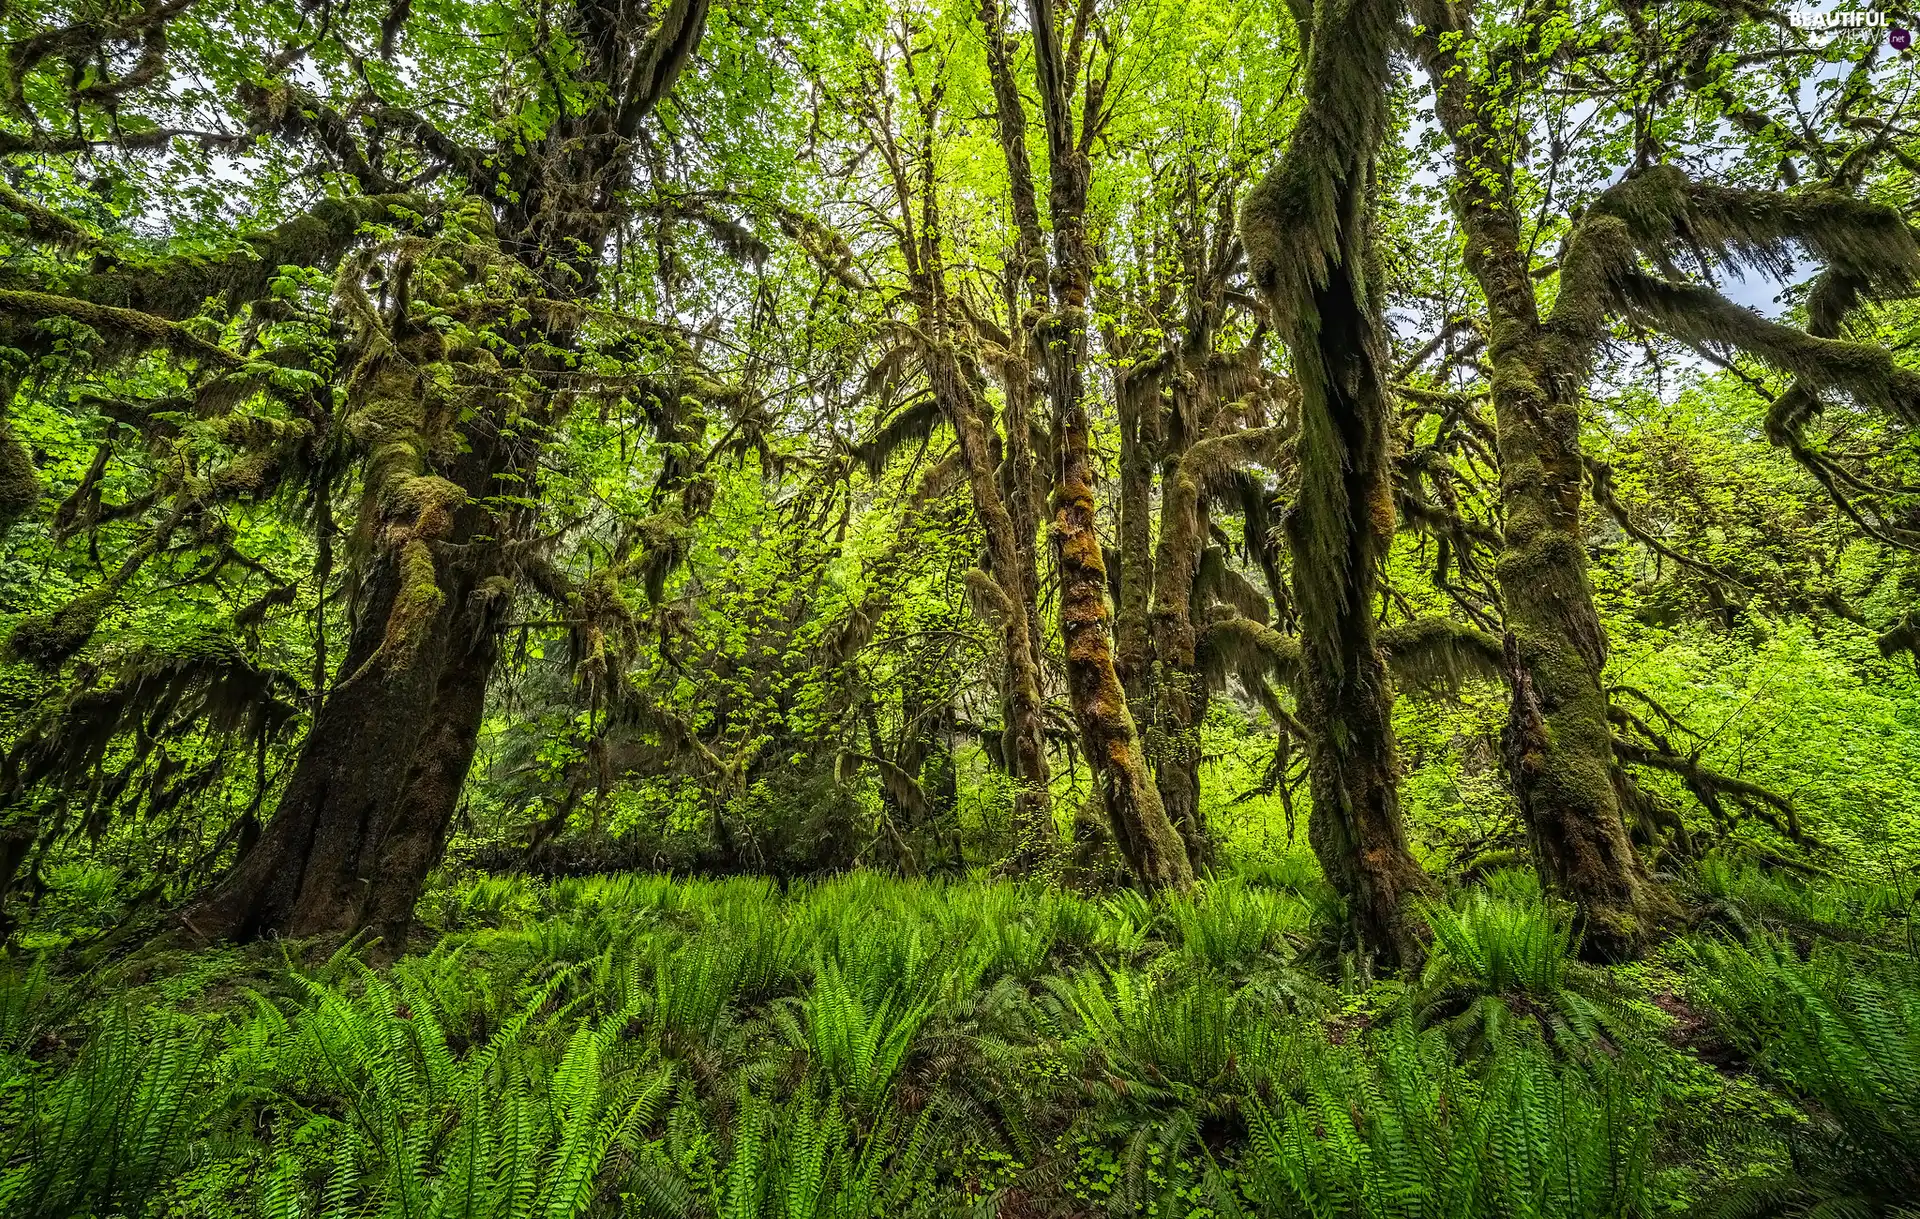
1010 589
1356 828
1137 393
362 820
1307 229
1127 789
1027 297
415 837
1110 737
302 877
1178 694
1558 746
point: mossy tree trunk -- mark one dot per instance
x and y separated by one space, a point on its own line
1024 740
1307 229
1105 719
364 816
1558 742
1137 393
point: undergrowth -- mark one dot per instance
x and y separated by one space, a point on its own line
653 1046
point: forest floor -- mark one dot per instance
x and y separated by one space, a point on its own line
649 1045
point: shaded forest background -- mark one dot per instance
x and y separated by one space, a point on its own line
853 605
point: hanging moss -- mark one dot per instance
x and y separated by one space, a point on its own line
126 331
1438 654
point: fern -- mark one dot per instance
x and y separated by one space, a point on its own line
1408 1133
1501 961
108 1130
1841 1032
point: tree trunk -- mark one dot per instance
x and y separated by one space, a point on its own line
1137 394
1307 230
1127 790
1025 741
303 876
362 820
1178 696
415 837
1107 729
1339 531
1112 741
1558 743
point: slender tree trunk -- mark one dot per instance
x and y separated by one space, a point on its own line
1025 739
1127 790
1178 695
1558 743
1107 729
1026 297
1137 392
1307 229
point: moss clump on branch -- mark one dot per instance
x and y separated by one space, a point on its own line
19 482
1438 654
48 640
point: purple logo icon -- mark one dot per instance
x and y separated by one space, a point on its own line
1899 39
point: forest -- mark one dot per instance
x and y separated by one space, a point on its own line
1040 609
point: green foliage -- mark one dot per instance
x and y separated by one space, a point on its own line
572 389
1841 1033
114 1126
642 1045
1501 959
1408 1132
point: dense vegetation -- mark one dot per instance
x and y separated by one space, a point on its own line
846 609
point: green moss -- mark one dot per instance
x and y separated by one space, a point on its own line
416 608
47 640
19 483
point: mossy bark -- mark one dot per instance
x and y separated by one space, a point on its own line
1307 228
1002 495
1108 733
1024 740
1339 532
1558 745
1137 393
19 482
415 836
363 817
1128 792
1177 693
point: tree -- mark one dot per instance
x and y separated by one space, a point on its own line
1308 229
1559 740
